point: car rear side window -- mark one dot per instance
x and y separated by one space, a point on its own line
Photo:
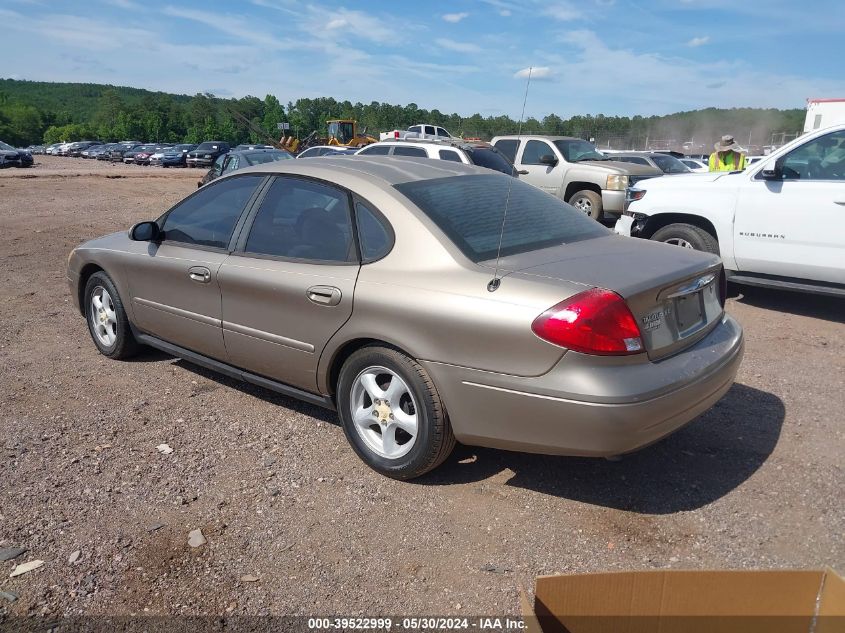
373 232
376 150
450 154
469 210
209 216
303 219
491 158
409 151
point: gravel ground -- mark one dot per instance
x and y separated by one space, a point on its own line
756 482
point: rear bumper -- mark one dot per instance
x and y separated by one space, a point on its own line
588 405
612 202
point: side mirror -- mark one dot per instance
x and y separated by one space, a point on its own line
145 232
548 159
772 171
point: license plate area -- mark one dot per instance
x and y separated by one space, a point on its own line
689 312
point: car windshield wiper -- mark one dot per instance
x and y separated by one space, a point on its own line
578 160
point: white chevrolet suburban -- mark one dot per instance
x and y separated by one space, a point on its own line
779 223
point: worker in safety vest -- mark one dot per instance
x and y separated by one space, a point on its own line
727 156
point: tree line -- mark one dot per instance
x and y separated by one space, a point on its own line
41 112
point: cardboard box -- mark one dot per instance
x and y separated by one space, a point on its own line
807 601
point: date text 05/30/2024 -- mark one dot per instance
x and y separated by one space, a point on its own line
417 624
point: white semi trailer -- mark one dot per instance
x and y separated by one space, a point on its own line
824 113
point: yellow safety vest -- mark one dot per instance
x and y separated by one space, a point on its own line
734 161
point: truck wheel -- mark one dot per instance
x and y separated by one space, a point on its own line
687 236
589 202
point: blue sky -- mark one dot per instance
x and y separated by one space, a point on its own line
614 57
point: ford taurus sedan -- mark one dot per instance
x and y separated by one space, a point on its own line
427 302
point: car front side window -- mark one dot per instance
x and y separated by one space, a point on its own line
822 158
208 217
534 150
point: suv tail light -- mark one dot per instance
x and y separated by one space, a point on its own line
596 321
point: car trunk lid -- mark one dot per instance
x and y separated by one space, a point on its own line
674 293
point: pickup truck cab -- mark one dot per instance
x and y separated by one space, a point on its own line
421 130
573 170
779 223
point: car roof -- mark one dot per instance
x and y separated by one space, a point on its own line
455 143
390 170
539 137
257 150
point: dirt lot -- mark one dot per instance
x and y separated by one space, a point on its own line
757 482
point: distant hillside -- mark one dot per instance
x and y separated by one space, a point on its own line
36 112
79 101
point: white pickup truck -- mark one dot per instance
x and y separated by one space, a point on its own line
421 131
779 223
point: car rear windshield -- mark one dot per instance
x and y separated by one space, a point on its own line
259 158
669 164
469 210
491 158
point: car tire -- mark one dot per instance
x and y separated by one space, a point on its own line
106 318
687 236
588 202
409 434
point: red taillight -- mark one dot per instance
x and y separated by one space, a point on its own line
396 134
596 321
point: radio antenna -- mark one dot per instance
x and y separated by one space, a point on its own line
496 281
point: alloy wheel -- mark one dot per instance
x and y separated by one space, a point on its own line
678 241
384 412
103 317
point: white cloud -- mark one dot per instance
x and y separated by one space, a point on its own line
124 4
459 47
231 25
502 8
356 25
537 72
455 17
658 84
698 41
562 10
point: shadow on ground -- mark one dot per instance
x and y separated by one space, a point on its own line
699 464
319 413
799 303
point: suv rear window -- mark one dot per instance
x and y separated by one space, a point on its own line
491 158
469 210
400 150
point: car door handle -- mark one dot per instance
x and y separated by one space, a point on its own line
324 295
200 274
842 202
